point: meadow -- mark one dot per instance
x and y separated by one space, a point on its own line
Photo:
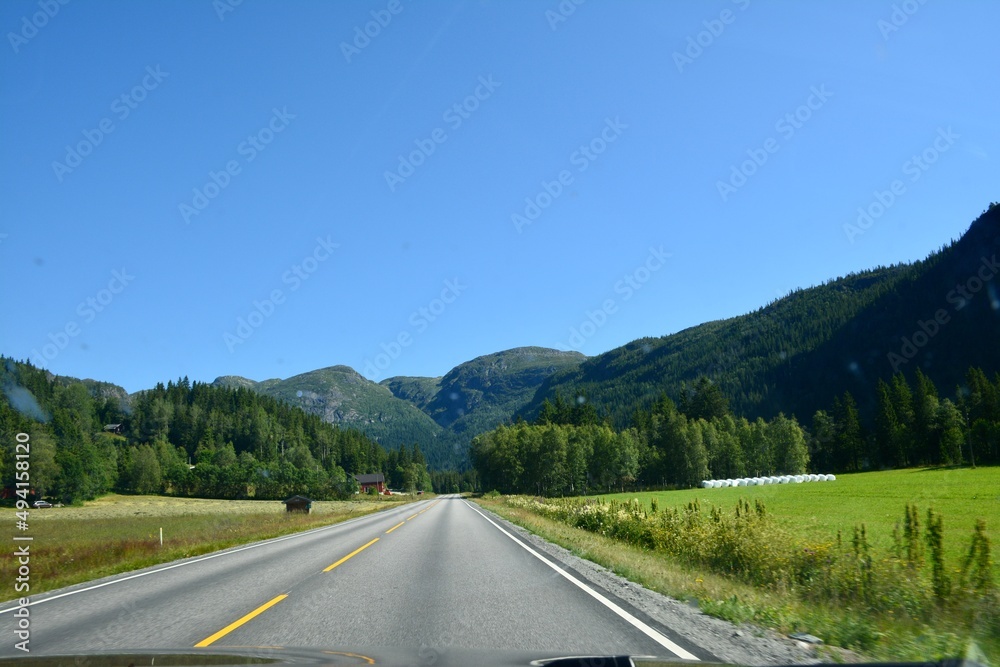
815 511
890 565
118 533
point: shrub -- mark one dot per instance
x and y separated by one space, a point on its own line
748 545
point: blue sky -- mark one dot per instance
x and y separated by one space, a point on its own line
261 189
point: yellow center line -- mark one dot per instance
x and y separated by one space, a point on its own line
421 511
367 660
424 509
232 626
351 555
395 527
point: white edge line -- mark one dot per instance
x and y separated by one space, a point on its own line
189 562
642 627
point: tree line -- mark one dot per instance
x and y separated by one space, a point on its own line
570 448
189 439
912 426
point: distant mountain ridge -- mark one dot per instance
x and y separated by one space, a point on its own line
798 353
479 394
340 395
440 414
794 355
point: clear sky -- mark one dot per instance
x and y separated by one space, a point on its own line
262 189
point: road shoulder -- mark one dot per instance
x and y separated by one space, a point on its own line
743 645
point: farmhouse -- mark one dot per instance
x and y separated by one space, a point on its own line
376 481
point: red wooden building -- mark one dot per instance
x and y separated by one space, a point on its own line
375 481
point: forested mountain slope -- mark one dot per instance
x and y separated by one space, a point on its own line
798 353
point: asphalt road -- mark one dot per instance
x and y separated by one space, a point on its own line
428 577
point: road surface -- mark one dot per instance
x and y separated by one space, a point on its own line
435 575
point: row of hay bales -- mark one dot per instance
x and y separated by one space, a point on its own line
765 481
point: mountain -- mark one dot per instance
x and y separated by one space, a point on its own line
236 382
243 443
480 394
794 355
797 354
441 414
419 391
340 395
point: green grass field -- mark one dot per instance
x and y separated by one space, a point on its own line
117 533
894 614
817 510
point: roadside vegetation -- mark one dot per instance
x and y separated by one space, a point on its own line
814 512
116 534
919 587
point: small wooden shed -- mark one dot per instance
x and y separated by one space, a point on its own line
298 504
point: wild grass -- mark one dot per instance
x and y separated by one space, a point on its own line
917 593
122 533
815 511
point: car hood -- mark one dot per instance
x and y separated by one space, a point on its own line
279 655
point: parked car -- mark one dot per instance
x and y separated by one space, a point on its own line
42 504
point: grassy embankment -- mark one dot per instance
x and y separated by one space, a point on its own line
117 533
785 570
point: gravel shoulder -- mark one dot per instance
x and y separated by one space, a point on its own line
738 645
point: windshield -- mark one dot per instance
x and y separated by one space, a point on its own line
470 331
